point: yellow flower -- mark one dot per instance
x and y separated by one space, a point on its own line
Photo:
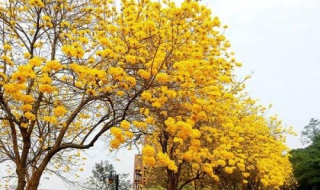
241 166
238 64
207 168
91 92
222 163
129 134
52 65
7 47
36 3
144 74
149 161
125 125
35 61
178 140
20 77
156 104
131 81
115 143
7 60
188 156
10 88
28 99
146 95
23 73
162 77
24 125
264 182
30 116
195 166
148 150
60 111
228 170
245 174
69 51
65 24
117 72
224 79
45 88
172 166
116 132
26 55
120 93
231 162
105 42
119 49
26 107
150 120
46 18
52 120
79 52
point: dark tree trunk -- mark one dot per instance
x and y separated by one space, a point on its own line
22 162
36 175
34 182
173 180
21 178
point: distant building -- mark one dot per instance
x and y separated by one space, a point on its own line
138 173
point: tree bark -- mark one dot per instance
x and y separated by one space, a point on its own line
22 165
173 180
35 180
21 178
36 175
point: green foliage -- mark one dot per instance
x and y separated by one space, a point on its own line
306 161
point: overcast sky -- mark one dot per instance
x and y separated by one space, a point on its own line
277 40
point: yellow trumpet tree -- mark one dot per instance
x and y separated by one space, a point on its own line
199 121
197 137
71 70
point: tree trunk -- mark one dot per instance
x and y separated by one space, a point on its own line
34 182
36 176
173 180
22 162
21 172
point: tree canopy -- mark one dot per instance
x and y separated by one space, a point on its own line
306 161
73 71
306 164
311 132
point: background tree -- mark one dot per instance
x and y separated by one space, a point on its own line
100 175
311 132
306 161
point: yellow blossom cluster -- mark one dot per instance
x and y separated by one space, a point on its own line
148 156
120 134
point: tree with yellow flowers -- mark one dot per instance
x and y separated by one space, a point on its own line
72 71
235 148
200 123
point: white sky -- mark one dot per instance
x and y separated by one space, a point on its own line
279 41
